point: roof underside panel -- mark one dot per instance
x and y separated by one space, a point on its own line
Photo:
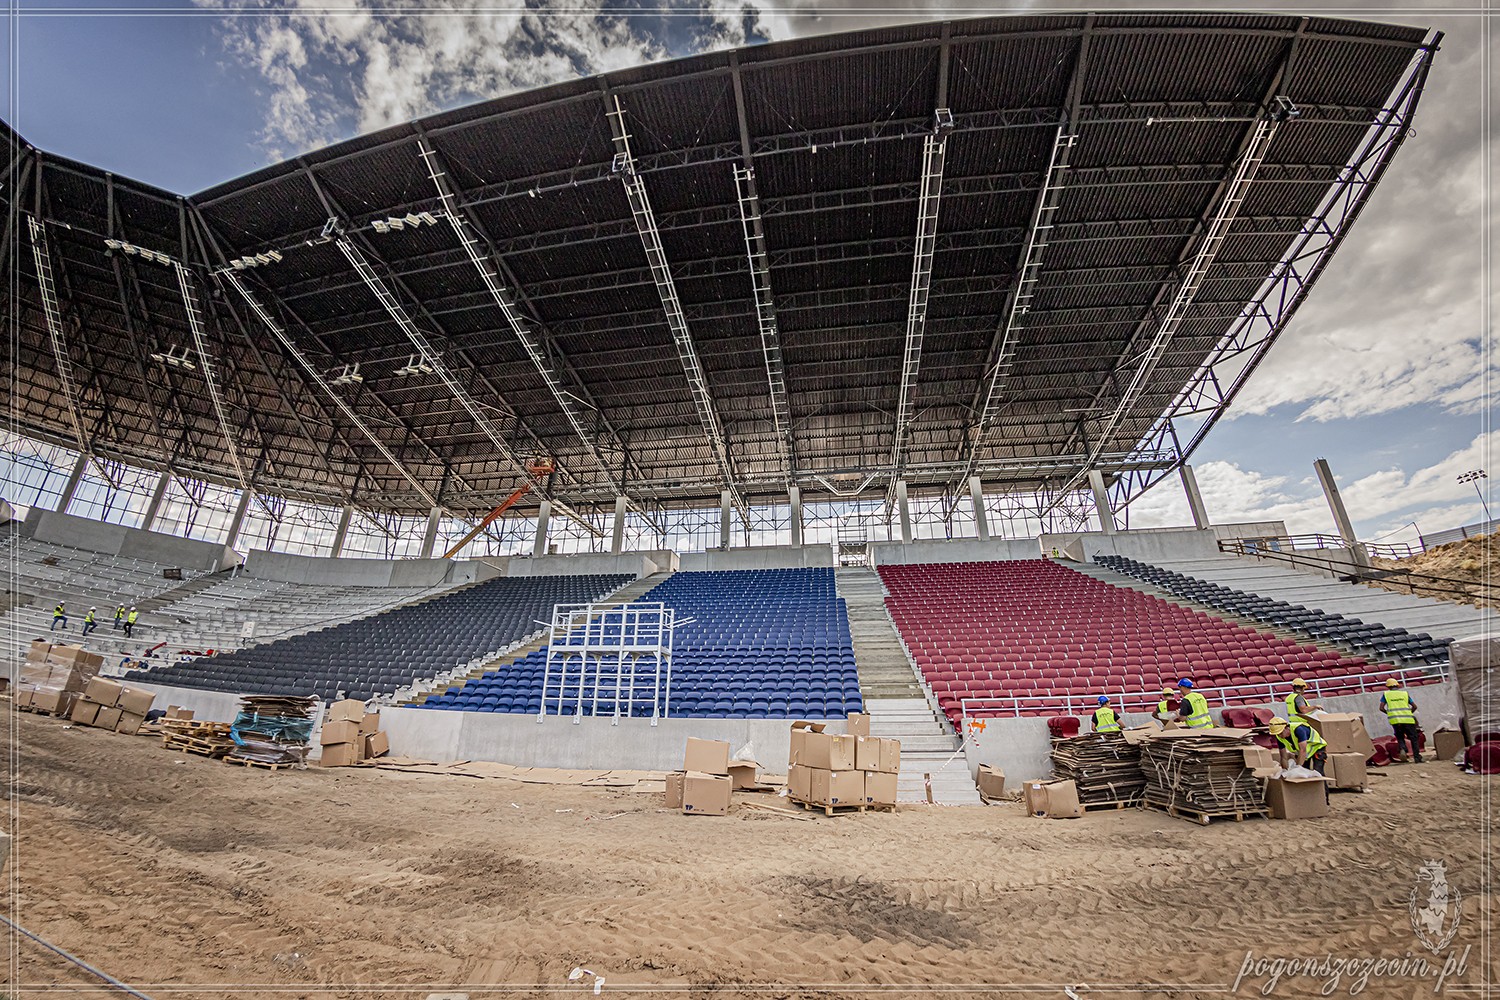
1162 107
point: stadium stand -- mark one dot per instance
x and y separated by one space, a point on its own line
1040 632
1394 644
768 643
381 654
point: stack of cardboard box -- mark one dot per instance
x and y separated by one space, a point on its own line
108 704
1349 747
350 734
704 785
54 677
831 770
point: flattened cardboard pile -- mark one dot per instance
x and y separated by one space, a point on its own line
272 731
1104 766
1201 773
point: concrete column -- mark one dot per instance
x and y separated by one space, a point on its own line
981 517
903 510
1194 498
429 536
543 514
617 544
342 531
238 521
1340 515
1101 501
795 493
726 501
71 486
157 496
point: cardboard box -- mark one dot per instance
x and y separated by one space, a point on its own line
743 774
880 788
52 676
107 718
800 731
705 794
348 710
340 755
177 712
991 782
1297 798
39 649
1348 770
706 756
370 724
674 789
1447 744
1344 732
858 724
376 744
799 782
346 731
130 723
135 701
53 701
22 697
104 692
84 713
1052 798
837 788
872 753
827 751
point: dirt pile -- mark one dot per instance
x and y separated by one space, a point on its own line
1471 562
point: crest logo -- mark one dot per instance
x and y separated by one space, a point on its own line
1434 907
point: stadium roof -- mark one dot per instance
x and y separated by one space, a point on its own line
1019 248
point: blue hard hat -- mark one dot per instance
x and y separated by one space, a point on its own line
1104 699
1184 683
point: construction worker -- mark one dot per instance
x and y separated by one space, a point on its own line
119 617
1193 712
1301 742
1164 708
130 621
88 621
1401 712
1105 720
59 617
1297 705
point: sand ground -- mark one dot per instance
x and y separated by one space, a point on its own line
187 877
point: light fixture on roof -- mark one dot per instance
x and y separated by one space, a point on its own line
347 375
173 360
400 222
415 366
942 120
131 250
256 260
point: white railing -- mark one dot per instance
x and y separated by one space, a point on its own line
1145 702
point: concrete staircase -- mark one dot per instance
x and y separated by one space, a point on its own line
630 592
896 700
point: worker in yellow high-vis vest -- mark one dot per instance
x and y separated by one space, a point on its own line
1300 742
1105 719
1165 707
1297 705
1401 712
1194 710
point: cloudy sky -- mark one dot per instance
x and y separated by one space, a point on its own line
1385 371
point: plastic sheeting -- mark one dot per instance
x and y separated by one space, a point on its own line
1474 661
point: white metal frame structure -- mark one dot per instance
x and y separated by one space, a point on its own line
617 655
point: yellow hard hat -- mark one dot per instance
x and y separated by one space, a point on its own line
1276 725
1299 683
1167 691
1391 682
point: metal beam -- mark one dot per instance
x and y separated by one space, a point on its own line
52 311
206 363
645 224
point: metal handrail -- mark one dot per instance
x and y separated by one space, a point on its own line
1125 701
1417 584
1317 540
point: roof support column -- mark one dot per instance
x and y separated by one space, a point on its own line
157 495
543 515
617 542
1340 514
726 521
429 536
341 532
1194 498
981 519
71 486
238 521
1101 502
795 494
903 507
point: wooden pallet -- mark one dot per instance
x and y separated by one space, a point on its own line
203 748
842 809
1112 804
1205 816
263 765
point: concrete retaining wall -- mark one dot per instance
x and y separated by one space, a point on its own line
954 550
758 557
637 564
130 543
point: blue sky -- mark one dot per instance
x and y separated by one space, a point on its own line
1381 372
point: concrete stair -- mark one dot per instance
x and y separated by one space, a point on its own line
884 670
630 592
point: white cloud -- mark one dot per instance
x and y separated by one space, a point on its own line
1379 503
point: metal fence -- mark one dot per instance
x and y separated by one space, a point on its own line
1459 534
